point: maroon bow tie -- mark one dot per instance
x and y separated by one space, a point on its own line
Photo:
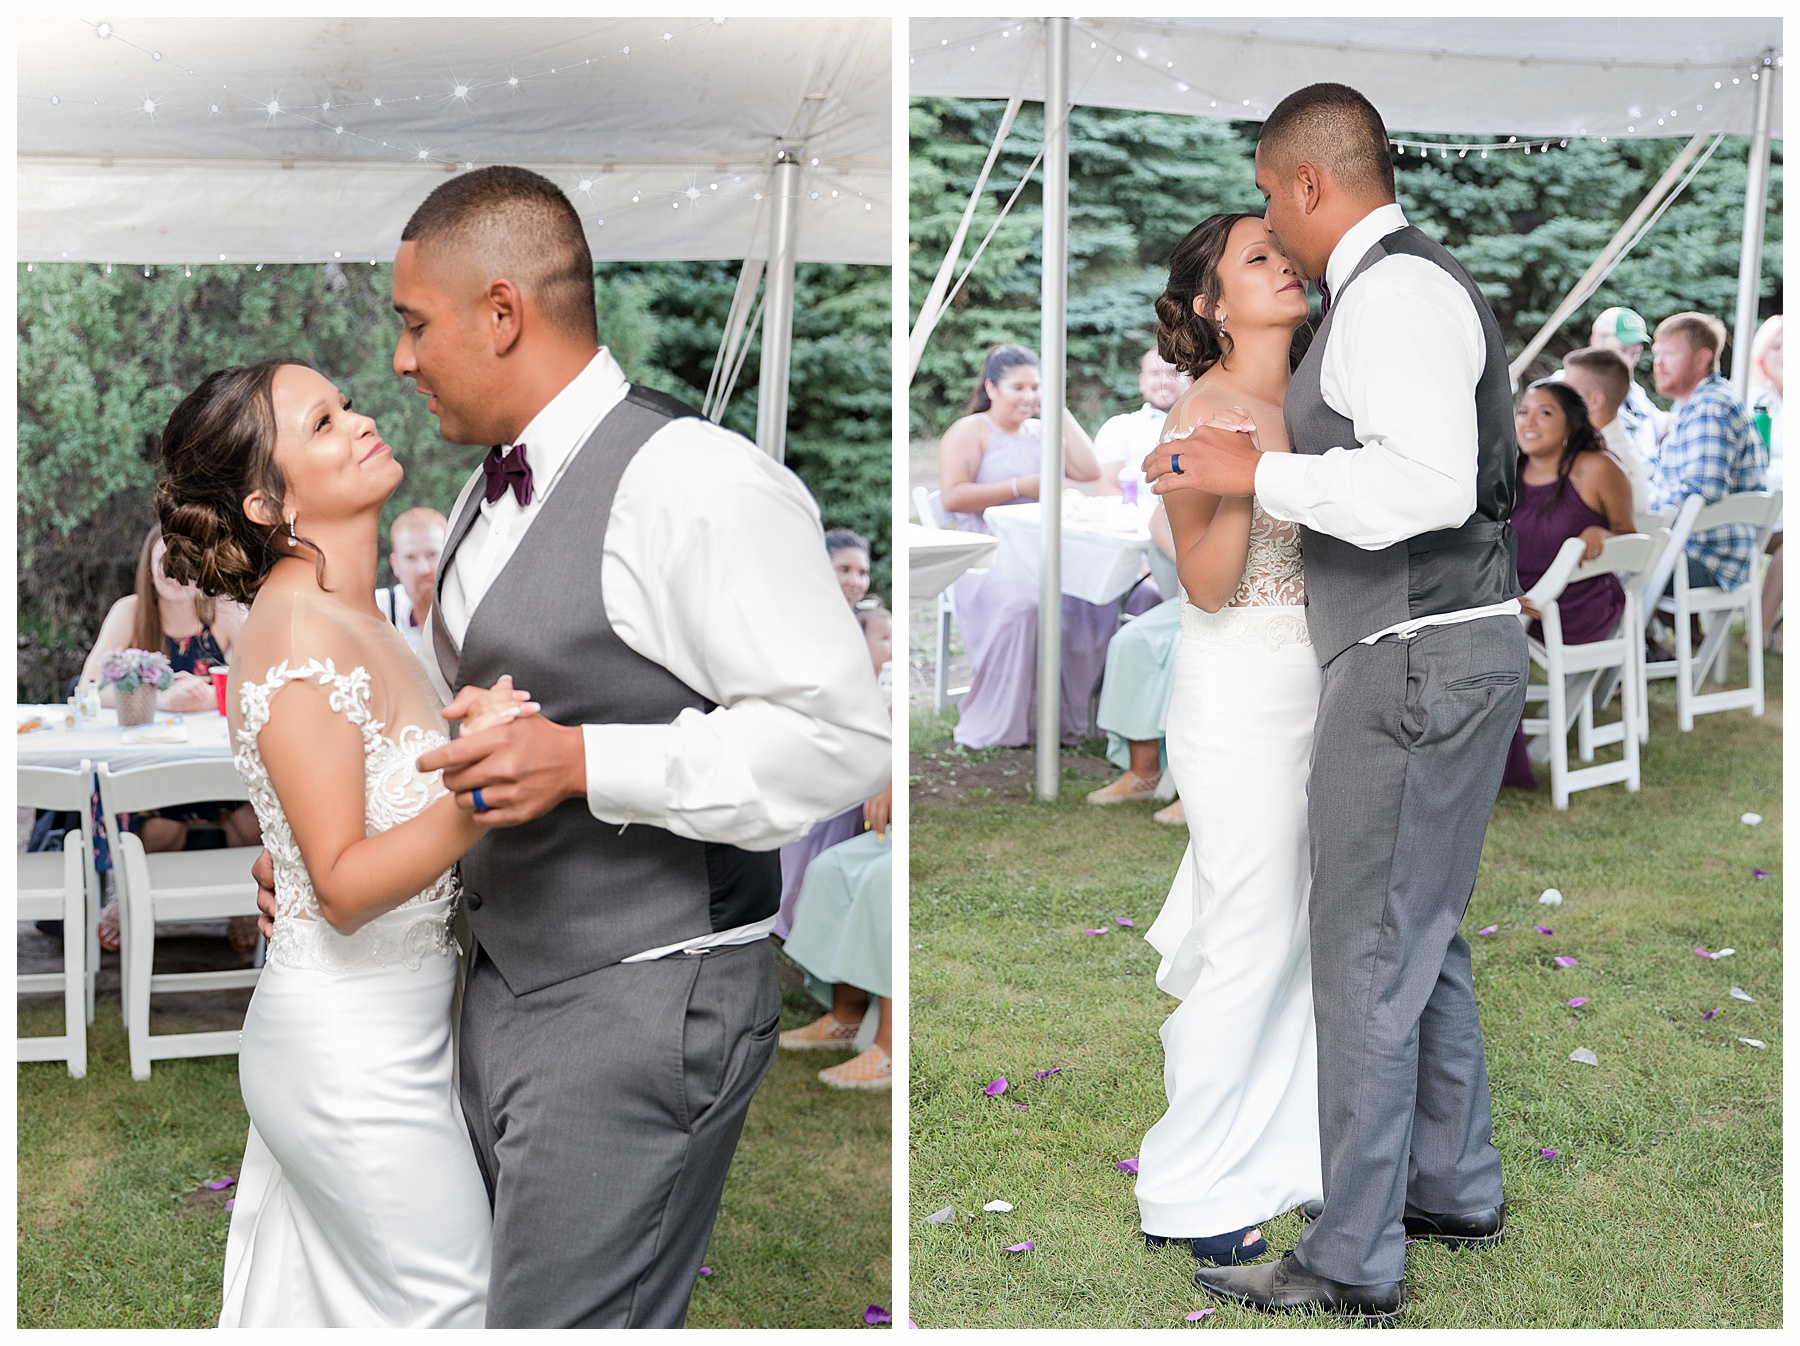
511 470
1324 297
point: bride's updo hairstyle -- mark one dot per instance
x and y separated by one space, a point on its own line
993 369
218 448
1188 340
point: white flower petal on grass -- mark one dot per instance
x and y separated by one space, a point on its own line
1724 953
1585 1056
1552 898
1739 993
944 1216
1752 819
1001 1206
1752 1042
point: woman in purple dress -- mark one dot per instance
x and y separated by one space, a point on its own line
1569 486
990 457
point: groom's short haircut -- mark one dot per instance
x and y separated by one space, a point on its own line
1334 126
514 223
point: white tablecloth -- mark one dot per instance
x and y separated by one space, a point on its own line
936 556
1104 541
208 735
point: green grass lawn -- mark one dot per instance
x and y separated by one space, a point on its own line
117 1229
1664 1207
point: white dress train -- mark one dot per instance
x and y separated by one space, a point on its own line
359 1203
1239 1143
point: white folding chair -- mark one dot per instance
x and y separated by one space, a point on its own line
1716 607
55 887
1679 523
173 886
1573 672
930 506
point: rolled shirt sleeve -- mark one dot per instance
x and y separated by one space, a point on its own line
1405 353
715 568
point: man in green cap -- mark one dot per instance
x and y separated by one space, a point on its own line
1624 331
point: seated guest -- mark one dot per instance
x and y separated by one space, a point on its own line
1134 697
849 554
197 634
1711 450
1126 440
1603 380
1765 402
417 540
1569 486
990 457
1623 332
874 814
838 923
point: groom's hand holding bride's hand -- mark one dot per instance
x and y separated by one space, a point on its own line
1217 456
523 764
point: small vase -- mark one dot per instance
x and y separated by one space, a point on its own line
137 707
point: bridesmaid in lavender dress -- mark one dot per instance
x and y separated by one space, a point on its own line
990 457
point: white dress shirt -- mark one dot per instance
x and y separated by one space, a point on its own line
1405 353
715 568
396 605
1625 449
1128 439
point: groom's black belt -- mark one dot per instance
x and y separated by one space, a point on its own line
1465 535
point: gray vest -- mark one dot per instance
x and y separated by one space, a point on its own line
1352 592
567 894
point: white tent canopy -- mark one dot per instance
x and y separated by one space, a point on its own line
176 141
1528 77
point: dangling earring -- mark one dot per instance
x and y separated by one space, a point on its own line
293 540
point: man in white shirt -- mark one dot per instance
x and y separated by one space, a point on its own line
1625 333
416 538
1402 477
662 589
1603 379
1125 439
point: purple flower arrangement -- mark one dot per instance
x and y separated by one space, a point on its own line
129 670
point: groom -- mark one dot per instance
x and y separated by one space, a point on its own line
663 590
1402 479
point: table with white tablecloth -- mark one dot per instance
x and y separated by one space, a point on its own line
936 556
206 735
1105 542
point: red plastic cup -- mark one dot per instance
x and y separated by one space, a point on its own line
219 675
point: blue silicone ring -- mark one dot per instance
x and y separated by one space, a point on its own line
480 804
1175 463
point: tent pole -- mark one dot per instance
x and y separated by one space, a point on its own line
1054 345
1750 261
778 306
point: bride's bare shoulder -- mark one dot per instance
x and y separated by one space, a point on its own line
1199 404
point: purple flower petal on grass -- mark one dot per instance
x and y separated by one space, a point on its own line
1101 931
231 1203
1198 1314
706 1271
221 1184
1046 1074
1127 1166
1022 1107
1709 1014
1563 960
1487 930
1758 874
1548 1154
997 1088
1024 1247
1578 1002
875 1314
1130 924
1701 952
1543 930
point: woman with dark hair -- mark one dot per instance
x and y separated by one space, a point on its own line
1569 486
849 553
360 1201
991 457
1240 1140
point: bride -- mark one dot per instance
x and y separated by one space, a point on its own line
359 1202
1240 1140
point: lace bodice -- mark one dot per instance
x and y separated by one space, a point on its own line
394 792
1272 572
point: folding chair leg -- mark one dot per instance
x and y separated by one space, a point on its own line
1684 672
941 687
1584 726
1559 740
139 952
1628 739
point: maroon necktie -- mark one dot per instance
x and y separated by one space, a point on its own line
1324 303
508 470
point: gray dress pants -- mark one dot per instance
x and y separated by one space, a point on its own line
605 1110
1407 757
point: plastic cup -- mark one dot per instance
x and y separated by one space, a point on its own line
219 675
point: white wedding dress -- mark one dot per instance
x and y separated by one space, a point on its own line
1240 1141
359 1203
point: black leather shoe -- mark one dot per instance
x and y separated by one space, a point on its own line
1480 1229
1286 1286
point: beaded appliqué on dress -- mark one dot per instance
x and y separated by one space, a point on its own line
395 793
1267 608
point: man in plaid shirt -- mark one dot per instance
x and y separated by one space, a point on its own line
1712 450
